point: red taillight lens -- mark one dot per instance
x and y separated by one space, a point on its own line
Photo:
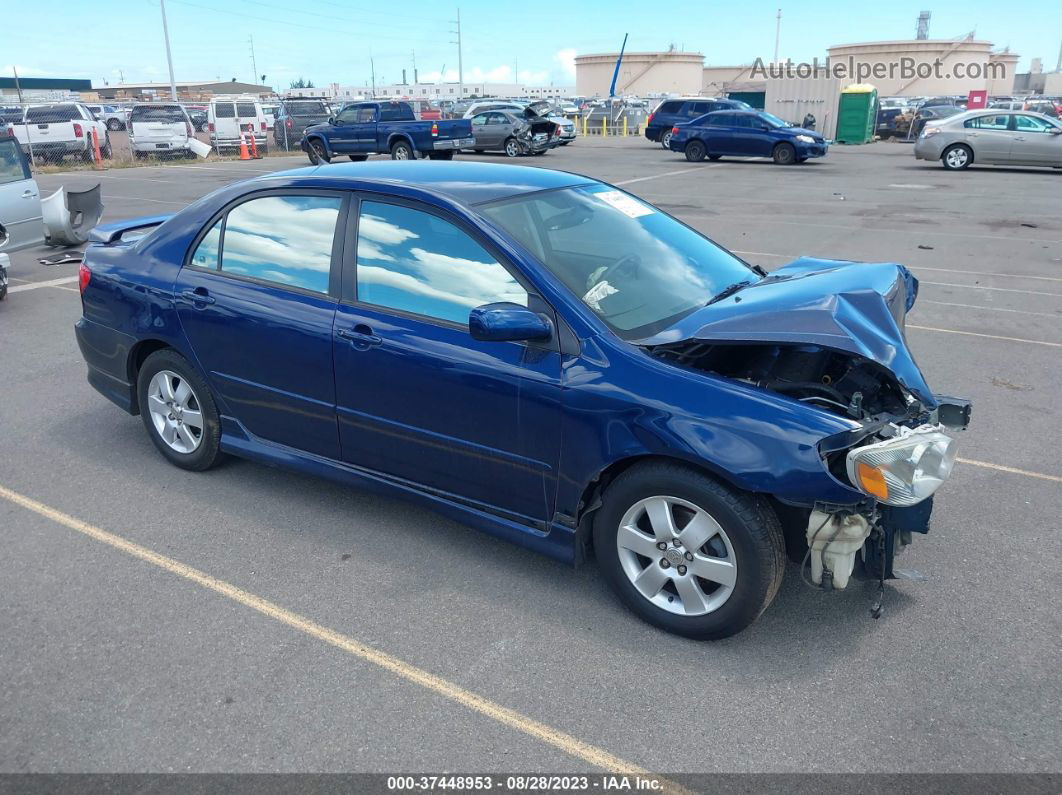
288 123
188 126
263 126
84 276
210 126
649 120
674 130
78 132
434 129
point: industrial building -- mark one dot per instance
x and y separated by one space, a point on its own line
334 91
185 90
641 73
41 89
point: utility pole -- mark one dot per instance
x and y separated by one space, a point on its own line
18 88
169 57
777 33
415 78
1058 66
460 58
254 66
372 67
516 69
121 76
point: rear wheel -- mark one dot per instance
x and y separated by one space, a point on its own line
512 148
687 553
178 411
784 154
114 124
665 140
957 157
695 151
401 150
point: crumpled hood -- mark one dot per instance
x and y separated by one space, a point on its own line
848 306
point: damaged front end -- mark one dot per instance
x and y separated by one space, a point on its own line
829 334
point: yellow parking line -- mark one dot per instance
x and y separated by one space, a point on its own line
989 336
565 742
1012 470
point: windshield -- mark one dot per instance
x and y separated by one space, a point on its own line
773 120
638 269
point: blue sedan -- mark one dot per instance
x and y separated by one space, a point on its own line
539 355
745 134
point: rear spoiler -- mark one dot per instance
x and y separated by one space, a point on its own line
111 233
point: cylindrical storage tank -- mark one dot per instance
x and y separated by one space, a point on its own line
911 68
641 73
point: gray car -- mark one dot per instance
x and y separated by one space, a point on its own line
512 133
992 137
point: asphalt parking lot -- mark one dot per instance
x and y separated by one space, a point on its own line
114 661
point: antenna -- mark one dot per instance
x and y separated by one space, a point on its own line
922 33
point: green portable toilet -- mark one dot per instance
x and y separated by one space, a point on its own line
856 114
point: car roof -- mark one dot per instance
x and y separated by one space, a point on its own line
466 183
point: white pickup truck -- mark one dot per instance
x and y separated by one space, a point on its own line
51 132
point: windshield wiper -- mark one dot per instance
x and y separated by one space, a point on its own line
729 291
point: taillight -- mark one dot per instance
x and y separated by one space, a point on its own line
210 126
263 126
78 132
288 123
188 126
84 276
434 129
674 130
649 120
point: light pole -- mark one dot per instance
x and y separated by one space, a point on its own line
169 57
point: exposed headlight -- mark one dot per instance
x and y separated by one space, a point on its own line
807 139
928 131
905 469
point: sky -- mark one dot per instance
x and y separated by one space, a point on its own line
330 41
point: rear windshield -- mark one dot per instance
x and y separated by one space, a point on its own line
224 111
53 113
11 115
164 113
306 108
246 110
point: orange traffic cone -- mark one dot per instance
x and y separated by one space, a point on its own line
254 145
243 147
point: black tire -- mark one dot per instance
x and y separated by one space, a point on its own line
511 148
107 150
957 157
315 150
208 453
695 151
665 139
802 160
358 158
479 151
401 150
114 124
748 521
565 143
784 154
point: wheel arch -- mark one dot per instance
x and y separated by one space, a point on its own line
400 136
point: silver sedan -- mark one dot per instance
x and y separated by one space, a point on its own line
992 137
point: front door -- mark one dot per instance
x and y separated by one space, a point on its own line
417 398
991 137
20 200
256 302
1035 143
365 129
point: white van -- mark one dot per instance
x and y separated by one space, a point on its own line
159 128
228 117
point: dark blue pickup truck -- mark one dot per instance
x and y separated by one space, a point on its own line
368 128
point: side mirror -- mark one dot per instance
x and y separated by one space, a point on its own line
506 322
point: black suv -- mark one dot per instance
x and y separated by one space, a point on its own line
673 111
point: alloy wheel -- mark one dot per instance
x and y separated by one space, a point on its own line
175 411
676 556
957 157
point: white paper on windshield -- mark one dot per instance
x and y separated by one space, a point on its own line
625 204
596 294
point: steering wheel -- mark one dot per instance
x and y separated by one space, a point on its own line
626 265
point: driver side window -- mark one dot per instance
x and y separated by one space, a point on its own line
348 115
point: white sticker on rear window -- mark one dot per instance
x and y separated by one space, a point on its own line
627 205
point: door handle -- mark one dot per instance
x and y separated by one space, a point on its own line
29 194
1019 138
198 296
361 337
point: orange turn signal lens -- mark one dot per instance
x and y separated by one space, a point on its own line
872 481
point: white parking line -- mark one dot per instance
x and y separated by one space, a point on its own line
994 289
18 288
1012 470
928 232
146 199
988 336
665 174
1055 315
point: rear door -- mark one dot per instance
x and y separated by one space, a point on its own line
256 301
158 127
991 136
717 133
251 120
21 225
226 127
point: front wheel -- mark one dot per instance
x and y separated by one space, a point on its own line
317 153
784 154
178 411
687 553
695 151
402 151
114 124
512 148
665 140
956 157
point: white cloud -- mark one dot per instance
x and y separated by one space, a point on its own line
566 59
23 71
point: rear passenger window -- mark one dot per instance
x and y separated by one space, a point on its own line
246 110
224 110
416 262
670 107
282 239
206 253
999 122
11 167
